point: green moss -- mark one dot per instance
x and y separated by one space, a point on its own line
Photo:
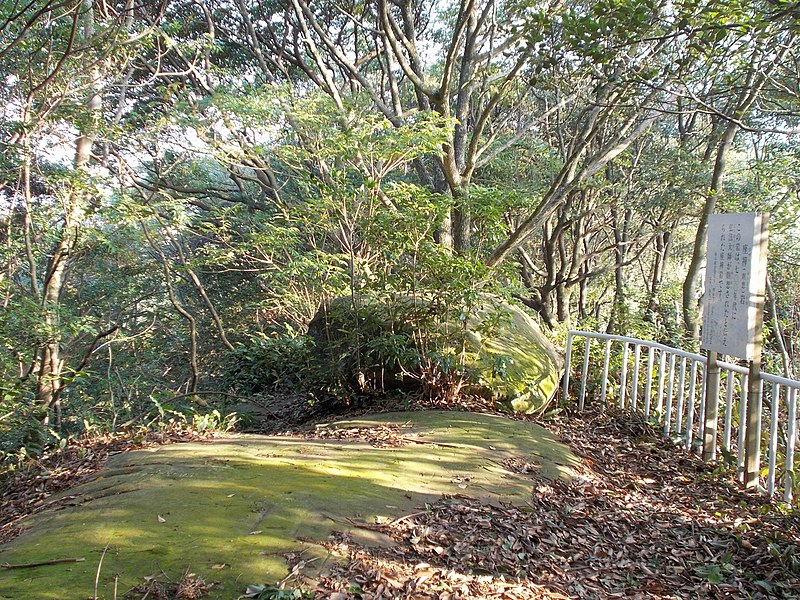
517 365
245 501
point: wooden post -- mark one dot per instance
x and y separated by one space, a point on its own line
752 449
752 446
712 408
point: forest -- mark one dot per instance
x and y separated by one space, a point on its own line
186 184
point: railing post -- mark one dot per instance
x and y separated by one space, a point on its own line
584 373
648 388
791 440
752 446
712 408
606 360
773 437
667 417
681 398
741 439
635 379
726 437
701 410
567 359
623 376
670 395
690 410
662 365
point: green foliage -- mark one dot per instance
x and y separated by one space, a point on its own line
272 592
715 573
276 194
267 364
214 421
609 24
369 343
22 434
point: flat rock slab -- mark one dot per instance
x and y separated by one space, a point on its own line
246 501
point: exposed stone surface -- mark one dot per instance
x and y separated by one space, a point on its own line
517 365
230 510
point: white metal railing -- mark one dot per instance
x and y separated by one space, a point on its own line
668 385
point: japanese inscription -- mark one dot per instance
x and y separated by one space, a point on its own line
735 278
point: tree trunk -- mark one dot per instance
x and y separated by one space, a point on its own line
777 332
563 296
750 90
663 243
461 222
618 307
50 376
691 284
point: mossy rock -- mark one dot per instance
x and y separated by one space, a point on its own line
508 356
516 365
230 509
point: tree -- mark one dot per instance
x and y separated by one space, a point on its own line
58 57
201 177
762 46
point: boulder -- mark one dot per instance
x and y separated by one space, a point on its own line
514 362
508 357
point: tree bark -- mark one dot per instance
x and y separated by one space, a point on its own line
618 306
691 284
49 378
663 245
777 332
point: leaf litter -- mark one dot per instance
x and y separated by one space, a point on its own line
390 435
159 587
643 519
